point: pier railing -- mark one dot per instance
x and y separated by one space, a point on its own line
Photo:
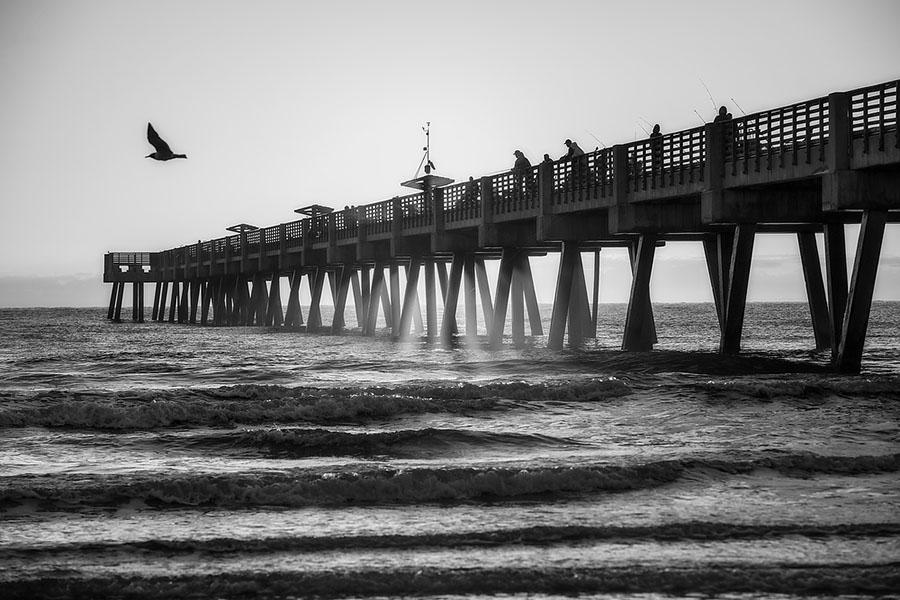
789 142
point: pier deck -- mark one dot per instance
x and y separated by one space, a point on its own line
806 168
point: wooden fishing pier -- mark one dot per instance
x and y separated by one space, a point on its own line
807 168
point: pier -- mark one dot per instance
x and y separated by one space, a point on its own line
804 169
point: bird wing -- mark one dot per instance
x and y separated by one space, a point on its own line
160 144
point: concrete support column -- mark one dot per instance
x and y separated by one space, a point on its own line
451 297
562 297
469 296
815 288
340 299
501 299
410 295
738 279
431 330
112 300
314 321
862 288
639 336
484 290
836 282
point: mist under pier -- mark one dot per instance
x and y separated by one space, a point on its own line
806 169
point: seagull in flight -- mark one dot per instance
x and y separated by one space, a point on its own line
163 152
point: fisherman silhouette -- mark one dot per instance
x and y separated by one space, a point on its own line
723 115
163 152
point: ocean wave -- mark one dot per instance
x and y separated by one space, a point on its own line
806 389
538 535
257 404
301 442
296 488
700 580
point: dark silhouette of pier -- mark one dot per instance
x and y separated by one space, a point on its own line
807 168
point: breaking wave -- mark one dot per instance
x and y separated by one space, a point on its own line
296 488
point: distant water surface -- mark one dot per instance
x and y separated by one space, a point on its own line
162 460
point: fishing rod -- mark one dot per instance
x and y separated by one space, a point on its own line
602 145
702 120
739 107
708 93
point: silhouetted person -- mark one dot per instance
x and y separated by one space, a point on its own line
576 155
547 159
163 152
656 149
470 197
574 151
521 170
723 115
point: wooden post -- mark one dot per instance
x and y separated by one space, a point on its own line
638 337
120 291
738 279
155 312
314 321
579 308
386 309
862 288
205 301
195 300
484 289
431 330
140 314
562 296
163 295
815 289
409 297
134 301
112 300
219 302
469 297
183 306
501 299
836 280
173 307
451 297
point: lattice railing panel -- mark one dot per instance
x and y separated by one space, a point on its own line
759 140
514 192
587 176
873 113
379 217
668 160
293 234
415 211
462 201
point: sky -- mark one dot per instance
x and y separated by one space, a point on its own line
283 104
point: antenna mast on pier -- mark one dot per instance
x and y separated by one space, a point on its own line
427 181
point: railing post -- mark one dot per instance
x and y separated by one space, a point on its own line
245 251
713 172
396 220
199 257
838 148
282 245
620 216
437 209
836 182
486 227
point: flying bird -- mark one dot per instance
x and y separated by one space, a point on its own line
163 152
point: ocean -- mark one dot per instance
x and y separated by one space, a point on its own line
157 460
